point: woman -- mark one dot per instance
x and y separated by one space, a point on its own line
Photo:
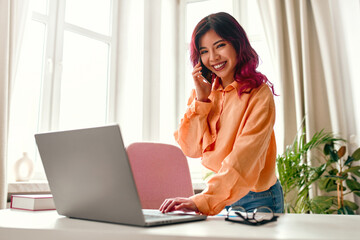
229 122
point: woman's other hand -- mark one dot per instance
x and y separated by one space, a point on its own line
202 87
178 204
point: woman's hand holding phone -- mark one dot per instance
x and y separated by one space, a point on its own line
202 86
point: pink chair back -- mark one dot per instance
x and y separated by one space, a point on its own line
160 171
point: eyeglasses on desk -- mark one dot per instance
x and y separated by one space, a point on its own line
254 217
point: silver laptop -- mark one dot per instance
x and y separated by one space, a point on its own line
90 178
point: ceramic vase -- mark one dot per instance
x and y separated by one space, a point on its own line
23 168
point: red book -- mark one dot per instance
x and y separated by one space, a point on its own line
37 202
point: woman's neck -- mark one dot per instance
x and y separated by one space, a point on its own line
226 81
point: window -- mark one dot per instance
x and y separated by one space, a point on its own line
54 87
248 15
74 70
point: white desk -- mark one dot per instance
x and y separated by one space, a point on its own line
16 224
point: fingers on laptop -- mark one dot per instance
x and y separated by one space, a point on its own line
178 204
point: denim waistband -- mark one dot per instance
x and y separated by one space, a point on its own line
273 198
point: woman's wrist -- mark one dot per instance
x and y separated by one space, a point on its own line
203 99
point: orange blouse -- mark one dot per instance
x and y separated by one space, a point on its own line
234 138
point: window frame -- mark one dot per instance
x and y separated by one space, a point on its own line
51 72
56 25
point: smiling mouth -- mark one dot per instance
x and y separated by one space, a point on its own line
219 66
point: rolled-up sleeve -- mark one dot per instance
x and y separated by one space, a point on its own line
193 127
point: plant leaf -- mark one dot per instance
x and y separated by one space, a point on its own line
341 152
348 161
334 156
320 204
353 185
318 172
345 210
331 211
323 182
327 184
336 177
354 170
356 154
351 205
328 148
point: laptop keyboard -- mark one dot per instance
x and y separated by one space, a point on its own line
159 215
154 216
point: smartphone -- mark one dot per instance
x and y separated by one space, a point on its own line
206 73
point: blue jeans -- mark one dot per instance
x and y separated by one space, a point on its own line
272 198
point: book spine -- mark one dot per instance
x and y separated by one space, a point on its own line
11 201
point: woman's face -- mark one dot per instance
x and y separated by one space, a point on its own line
218 55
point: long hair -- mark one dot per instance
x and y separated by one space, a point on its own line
230 30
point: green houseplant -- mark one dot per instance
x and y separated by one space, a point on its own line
340 177
296 175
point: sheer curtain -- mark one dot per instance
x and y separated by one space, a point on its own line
308 45
13 14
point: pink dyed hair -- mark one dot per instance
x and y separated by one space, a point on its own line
230 30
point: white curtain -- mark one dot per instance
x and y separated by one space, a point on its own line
13 14
307 44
